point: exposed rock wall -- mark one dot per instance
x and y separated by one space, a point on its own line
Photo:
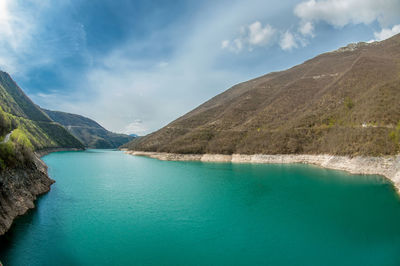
19 189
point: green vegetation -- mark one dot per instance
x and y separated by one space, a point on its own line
5 122
15 154
17 151
395 135
18 136
14 100
348 103
31 128
42 135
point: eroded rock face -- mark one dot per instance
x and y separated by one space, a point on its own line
19 189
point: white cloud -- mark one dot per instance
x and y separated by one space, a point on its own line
238 45
16 29
225 44
163 64
288 41
251 36
234 46
126 90
47 95
259 35
28 40
136 127
342 12
126 87
337 13
387 33
307 29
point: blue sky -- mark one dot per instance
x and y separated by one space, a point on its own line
136 65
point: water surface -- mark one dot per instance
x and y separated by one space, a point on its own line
108 208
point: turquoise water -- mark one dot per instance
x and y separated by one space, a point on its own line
108 208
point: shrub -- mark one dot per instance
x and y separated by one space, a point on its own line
20 137
348 102
5 122
16 153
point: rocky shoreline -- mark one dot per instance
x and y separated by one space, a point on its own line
19 188
388 166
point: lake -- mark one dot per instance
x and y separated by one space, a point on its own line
109 208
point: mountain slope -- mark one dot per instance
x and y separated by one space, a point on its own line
23 129
22 114
344 102
88 131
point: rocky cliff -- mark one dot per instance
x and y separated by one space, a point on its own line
19 188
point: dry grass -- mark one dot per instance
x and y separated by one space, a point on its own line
345 103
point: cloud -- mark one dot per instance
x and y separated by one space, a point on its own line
16 30
259 35
132 82
251 36
307 29
225 44
288 41
28 41
136 127
126 89
234 46
387 33
339 13
163 64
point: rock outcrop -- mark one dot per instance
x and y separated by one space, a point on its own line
19 188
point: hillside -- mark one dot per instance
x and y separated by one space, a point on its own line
88 131
344 102
24 128
20 114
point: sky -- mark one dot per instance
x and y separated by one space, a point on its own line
136 65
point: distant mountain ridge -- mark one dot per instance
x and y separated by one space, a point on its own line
344 102
88 131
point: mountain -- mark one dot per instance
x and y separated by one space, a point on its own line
88 131
344 102
28 121
24 128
